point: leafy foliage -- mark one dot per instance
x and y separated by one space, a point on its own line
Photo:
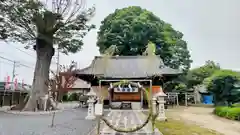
57 22
232 113
197 75
131 29
223 85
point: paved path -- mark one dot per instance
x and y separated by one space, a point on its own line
126 119
204 117
67 122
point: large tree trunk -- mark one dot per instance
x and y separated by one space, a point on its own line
44 53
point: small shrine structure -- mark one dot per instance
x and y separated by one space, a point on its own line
130 68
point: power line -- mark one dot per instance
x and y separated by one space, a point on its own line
4 62
21 50
28 53
15 61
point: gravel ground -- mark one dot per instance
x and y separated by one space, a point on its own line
125 119
67 122
204 117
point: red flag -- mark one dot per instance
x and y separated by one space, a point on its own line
16 84
7 83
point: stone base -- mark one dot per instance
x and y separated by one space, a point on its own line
90 117
136 105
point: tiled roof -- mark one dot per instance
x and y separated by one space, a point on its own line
127 67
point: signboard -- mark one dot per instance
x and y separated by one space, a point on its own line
98 109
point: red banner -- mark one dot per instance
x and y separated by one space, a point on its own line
7 83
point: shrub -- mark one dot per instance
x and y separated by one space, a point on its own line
73 97
232 113
65 98
223 84
236 105
70 97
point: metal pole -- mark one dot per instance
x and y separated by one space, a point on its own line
12 84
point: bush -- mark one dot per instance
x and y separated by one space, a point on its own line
236 105
70 97
65 98
73 97
232 113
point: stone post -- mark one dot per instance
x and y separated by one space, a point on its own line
161 109
160 99
91 100
90 113
154 105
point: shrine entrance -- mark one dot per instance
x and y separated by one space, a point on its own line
125 95
129 121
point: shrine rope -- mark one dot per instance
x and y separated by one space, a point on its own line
150 116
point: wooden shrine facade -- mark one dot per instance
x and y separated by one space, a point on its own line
126 68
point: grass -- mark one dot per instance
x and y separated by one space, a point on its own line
178 127
232 113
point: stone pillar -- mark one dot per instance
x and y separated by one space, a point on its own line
177 100
154 105
161 109
90 113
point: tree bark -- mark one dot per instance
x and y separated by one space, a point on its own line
39 89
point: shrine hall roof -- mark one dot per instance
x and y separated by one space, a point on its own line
127 67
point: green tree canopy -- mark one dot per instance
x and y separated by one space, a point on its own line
197 75
44 24
222 83
131 28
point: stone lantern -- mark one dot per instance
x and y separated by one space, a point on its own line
92 95
161 110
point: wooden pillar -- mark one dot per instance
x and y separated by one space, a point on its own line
195 99
13 97
1 99
186 99
177 100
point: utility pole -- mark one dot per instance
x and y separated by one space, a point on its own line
14 70
13 76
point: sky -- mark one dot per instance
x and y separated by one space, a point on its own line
210 27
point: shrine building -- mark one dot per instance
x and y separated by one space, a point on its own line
132 68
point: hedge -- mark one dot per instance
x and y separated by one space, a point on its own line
232 113
70 97
236 105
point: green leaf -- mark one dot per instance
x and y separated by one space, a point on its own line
131 29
